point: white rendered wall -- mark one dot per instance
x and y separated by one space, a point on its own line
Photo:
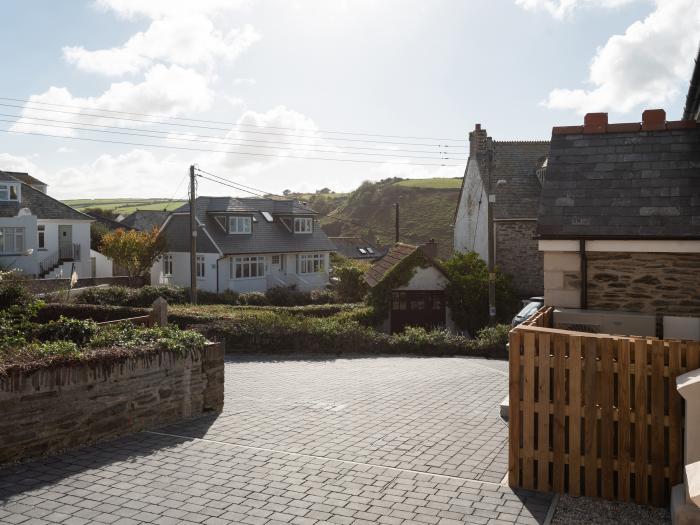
471 221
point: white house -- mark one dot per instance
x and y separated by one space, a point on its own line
246 245
39 235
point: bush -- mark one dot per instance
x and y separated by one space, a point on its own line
286 296
468 292
350 286
123 296
128 336
77 331
13 291
253 299
226 297
323 297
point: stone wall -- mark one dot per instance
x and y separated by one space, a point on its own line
54 408
517 254
662 283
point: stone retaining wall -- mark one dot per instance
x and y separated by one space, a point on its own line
54 408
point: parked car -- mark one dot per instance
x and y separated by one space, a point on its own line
531 306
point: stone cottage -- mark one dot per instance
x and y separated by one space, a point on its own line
510 174
619 220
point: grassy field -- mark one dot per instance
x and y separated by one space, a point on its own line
125 206
435 183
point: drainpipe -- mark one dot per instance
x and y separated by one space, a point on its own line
584 273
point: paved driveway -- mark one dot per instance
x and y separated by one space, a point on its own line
387 440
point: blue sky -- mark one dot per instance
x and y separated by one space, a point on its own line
396 67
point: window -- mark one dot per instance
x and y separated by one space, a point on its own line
11 240
200 267
8 192
247 267
267 215
41 236
167 265
275 259
314 263
239 224
303 225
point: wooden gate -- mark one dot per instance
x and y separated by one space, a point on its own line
596 415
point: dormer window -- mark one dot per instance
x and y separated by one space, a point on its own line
240 225
8 192
303 225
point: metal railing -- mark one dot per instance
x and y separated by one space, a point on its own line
70 252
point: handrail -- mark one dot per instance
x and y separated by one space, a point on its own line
48 263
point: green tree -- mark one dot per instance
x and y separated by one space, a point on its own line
350 286
133 250
468 292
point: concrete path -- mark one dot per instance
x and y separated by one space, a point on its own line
387 440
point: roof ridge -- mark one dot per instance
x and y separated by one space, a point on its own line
522 141
87 217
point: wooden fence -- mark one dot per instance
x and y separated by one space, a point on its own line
596 415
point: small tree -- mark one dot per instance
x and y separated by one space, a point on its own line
133 250
468 292
351 286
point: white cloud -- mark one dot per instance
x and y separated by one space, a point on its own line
165 90
185 41
165 8
564 8
647 66
9 162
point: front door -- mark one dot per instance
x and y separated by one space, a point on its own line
425 308
65 242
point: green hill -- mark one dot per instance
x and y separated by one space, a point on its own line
426 211
125 206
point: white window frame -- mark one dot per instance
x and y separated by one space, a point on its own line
312 263
15 234
303 225
41 236
240 225
201 267
248 267
167 265
6 192
275 259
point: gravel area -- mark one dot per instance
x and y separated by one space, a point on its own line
590 511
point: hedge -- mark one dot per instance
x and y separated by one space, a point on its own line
275 333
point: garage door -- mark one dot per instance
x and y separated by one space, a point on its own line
413 308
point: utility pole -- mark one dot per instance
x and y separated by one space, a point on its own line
491 248
396 226
193 238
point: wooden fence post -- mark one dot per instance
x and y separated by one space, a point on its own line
159 315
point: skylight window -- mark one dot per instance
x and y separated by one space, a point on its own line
363 251
369 250
266 215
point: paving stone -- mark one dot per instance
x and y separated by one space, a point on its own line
300 442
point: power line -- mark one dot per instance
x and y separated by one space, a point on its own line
21 119
182 148
310 150
25 101
212 127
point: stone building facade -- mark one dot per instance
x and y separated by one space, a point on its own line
517 254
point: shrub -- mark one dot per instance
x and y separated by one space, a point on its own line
55 349
468 292
123 296
253 299
350 286
323 297
108 295
226 297
286 296
13 291
128 336
77 331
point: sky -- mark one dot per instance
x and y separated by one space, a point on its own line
390 87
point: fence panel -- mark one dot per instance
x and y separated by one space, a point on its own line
596 415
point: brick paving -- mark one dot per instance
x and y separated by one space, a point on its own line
387 440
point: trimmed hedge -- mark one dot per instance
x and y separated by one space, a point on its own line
281 333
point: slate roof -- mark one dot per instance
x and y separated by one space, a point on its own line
145 220
517 163
177 232
623 183
108 222
25 178
40 204
266 237
350 247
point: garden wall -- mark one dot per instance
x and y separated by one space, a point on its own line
55 285
53 408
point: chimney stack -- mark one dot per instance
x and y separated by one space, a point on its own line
653 120
595 123
430 248
478 141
